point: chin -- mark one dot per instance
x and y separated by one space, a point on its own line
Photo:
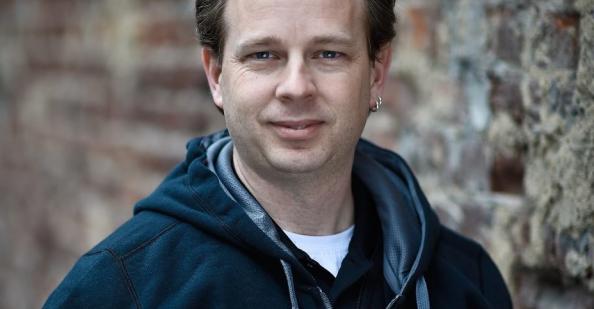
297 163
296 166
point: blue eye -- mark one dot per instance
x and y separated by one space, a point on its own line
263 55
329 54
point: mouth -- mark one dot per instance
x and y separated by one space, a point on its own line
297 125
297 129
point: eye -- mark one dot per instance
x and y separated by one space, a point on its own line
329 54
263 55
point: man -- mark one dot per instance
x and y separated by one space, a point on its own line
288 209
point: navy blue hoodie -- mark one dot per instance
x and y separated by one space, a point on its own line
198 243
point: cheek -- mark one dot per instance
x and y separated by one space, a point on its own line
243 103
358 104
248 91
354 93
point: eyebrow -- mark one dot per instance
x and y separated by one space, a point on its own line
258 42
267 41
345 40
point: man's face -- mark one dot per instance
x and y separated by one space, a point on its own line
295 82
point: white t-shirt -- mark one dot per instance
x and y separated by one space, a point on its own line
327 250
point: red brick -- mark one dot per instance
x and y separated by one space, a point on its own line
173 78
170 120
168 32
423 31
507 175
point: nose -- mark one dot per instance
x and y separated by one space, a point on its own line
296 82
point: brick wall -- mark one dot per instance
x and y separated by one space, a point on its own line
97 101
490 101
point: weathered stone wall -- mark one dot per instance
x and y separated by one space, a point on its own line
491 101
493 104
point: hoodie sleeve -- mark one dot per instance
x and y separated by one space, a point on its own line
97 280
492 284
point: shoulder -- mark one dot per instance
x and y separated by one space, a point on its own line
142 230
463 272
83 287
105 277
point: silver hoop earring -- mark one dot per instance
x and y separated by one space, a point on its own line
378 103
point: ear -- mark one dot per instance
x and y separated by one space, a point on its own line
380 70
212 68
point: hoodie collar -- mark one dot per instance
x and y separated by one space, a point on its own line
410 228
197 192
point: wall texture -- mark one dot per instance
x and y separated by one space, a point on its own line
97 101
491 101
493 104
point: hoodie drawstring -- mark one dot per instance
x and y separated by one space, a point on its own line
422 294
291 285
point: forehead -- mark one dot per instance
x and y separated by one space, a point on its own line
294 20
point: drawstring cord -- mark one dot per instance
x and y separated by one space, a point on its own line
291 285
422 294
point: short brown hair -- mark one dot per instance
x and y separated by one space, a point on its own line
210 25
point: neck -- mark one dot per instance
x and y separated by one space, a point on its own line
319 203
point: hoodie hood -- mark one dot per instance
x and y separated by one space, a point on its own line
410 228
201 193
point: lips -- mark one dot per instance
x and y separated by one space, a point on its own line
297 129
297 125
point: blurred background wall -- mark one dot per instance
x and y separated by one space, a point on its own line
491 102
